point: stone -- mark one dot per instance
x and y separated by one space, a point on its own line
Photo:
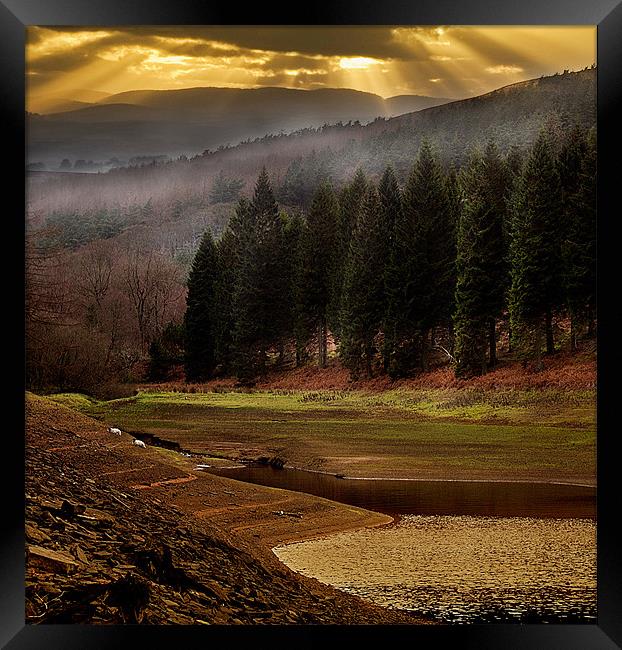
36 535
81 555
52 561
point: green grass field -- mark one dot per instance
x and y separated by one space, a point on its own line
544 435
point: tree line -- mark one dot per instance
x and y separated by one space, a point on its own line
394 273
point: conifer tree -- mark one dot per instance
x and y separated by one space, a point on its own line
225 274
292 190
481 259
495 282
261 283
587 200
535 249
302 178
363 289
201 310
316 172
577 167
225 189
293 228
514 161
351 201
225 286
470 316
513 164
390 201
317 256
425 250
147 212
246 357
453 199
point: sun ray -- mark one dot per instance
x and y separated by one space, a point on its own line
449 61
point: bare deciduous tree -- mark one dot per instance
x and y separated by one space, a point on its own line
95 273
153 287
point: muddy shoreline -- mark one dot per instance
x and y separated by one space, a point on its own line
173 445
197 547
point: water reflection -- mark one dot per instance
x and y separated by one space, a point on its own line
476 498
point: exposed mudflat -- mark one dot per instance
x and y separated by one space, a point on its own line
529 436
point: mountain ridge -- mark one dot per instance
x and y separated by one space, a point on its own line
193 119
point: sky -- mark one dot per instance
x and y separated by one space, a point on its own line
444 61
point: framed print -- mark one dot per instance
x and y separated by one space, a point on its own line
318 339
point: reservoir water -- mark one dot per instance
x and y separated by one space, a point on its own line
399 497
463 569
459 551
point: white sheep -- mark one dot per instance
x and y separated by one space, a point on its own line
140 443
117 432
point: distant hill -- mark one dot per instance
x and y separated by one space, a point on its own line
63 105
511 116
190 120
408 103
328 101
99 114
57 102
178 191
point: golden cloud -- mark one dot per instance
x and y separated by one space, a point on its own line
383 60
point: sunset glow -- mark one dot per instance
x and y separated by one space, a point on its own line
440 61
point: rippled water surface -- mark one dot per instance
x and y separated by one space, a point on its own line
463 569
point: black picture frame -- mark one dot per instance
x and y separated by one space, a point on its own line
15 15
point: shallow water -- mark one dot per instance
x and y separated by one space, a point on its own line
483 498
462 569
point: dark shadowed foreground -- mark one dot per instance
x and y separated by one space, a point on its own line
106 545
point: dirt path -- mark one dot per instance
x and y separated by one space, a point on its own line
170 481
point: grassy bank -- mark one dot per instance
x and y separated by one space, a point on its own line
545 434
